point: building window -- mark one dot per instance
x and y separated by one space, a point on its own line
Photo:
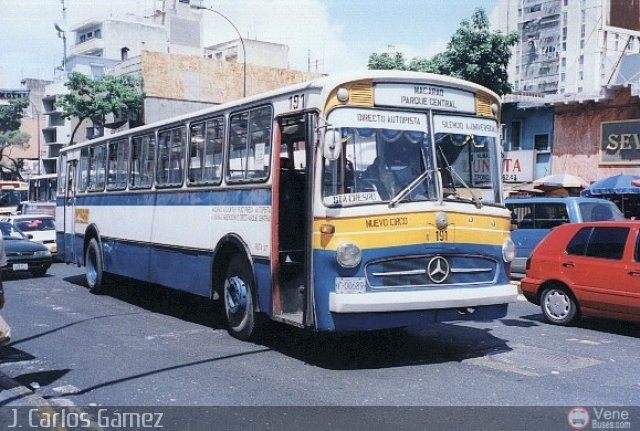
516 127
541 143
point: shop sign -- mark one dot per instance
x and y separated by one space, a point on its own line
620 142
518 166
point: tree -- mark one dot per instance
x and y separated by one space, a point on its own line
11 136
387 61
95 99
475 53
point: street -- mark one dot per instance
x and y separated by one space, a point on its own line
140 345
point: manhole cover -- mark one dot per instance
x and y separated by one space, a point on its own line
531 361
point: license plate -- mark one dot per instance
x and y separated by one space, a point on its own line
20 267
351 285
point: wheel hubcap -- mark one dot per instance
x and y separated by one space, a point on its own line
557 304
235 297
91 267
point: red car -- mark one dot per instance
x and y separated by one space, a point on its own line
589 269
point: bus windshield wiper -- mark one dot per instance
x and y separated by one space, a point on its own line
453 172
409 188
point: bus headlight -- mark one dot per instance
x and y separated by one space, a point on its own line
508 251
348 255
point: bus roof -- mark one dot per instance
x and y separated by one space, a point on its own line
325 84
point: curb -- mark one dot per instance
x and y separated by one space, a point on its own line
13 393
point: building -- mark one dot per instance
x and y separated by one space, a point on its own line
569 47
257 52
575 73
179 75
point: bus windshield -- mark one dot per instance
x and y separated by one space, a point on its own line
467 158
377 164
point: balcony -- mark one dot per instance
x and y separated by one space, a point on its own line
93 46
53 135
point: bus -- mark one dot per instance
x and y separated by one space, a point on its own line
42 188
349 203
11 194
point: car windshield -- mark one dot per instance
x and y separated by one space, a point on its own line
35 224
384 155
10 232
600 211
467 158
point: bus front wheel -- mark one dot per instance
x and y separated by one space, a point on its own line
238 300
94 271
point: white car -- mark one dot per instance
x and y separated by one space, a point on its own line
38 227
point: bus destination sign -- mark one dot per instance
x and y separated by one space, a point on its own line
425 97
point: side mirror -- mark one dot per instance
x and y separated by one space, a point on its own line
332 144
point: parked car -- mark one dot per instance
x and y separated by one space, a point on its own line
589 269
23 254
533 218
38 227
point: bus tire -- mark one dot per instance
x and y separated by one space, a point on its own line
237 294
94 267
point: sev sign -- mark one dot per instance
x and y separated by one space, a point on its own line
620 142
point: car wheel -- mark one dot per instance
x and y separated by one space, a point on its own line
94 268
558 305
238 300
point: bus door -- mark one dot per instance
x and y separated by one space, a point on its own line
70 212
292 292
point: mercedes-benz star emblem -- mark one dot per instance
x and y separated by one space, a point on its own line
438 269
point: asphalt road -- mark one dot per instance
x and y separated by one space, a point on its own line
140 345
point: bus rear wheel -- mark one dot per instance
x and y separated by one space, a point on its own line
94 267
238 300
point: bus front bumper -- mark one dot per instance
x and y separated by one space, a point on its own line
455 297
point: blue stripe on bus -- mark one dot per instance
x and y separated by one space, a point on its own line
181 269
179 197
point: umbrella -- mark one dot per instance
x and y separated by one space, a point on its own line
620 184
559 181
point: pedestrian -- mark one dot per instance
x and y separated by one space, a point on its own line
5 329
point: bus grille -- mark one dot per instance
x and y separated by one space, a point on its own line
431 271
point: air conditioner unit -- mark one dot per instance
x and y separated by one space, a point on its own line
95 132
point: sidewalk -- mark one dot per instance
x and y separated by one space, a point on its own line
13 394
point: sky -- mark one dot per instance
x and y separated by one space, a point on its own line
333 35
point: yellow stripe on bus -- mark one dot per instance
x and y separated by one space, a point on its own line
410 229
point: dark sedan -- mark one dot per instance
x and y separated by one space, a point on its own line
22 254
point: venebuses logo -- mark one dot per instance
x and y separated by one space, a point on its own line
578 418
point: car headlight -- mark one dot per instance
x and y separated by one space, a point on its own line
42 253
348 255
508 251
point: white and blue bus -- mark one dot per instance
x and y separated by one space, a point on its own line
350 203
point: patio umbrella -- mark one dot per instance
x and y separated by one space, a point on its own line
559 181
620 184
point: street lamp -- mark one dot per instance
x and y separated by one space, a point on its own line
244 50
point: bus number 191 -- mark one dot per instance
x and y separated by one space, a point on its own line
296 102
